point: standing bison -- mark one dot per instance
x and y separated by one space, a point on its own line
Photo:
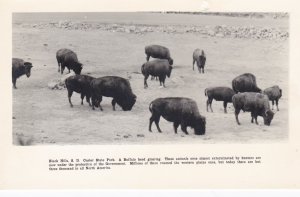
157 51
219 94
68 58
156 68
19 68
274 93
180 111
256 103
112 86
245 83
200 58
79 84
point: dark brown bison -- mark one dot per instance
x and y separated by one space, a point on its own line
256 103
156 68
157 51
19 68
199 57
219 94
274 93
80 84
112 86
180 111
245 83
68 58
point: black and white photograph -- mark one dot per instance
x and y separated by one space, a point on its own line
150 77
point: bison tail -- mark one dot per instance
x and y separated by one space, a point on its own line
205 92
150 107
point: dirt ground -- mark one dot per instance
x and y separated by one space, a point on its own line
42 116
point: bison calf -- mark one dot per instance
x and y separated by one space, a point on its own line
156 68
274 93
19 68
256 103
180 111
245 83
219 94
112 86
157 51
200 58
68 58
79 84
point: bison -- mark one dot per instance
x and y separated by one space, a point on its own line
256 103
200 58
79 84
245 83
219 94
159 68
274 93
68 58
19 68
180 111
157 51
112 86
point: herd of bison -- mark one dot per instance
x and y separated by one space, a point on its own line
245 95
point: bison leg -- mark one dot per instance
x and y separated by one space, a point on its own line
225 106
145 81
62 68
88 100
156 120
148 57
183 128
157 123
58 66
252 117
70 92
210 102
203 70
100 107
272 104
193 63
236 113
175 125
14 81
82 97
277 104
113 102
162 81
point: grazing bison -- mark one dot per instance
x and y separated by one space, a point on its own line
219 94
274 93
156 68
157 51
200 58
256 103
245 83
19 68
180 111
79 84
112 86
68 58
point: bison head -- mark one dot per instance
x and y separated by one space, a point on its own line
199 125
170 61
77 68
170 70
268 116
128 103
28 67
